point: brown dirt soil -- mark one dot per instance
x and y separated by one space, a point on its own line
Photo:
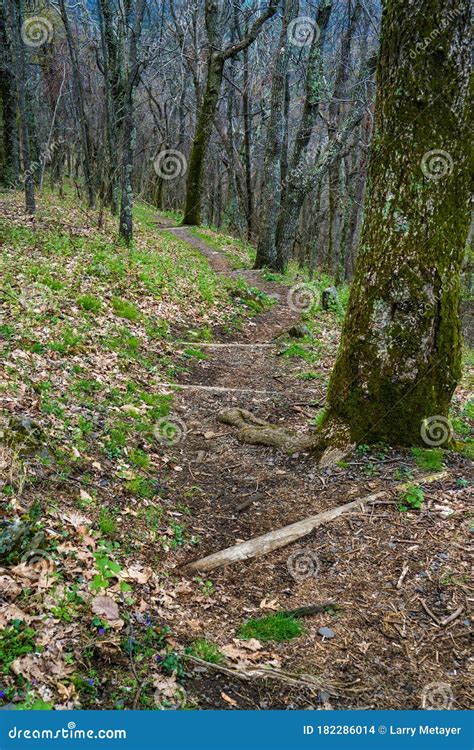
389 646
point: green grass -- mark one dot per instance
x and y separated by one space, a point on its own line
239 253
430 459
279 627
139 458
15 640
89 303
309 375
107 522
298 350
142 487
125 309
206 651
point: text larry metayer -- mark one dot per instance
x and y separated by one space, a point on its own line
424 729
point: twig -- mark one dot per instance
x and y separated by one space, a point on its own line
402 576
451 617
429 612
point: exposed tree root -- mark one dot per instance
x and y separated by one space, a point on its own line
331 439
265 673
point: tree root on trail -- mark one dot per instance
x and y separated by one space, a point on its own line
331 440
266 673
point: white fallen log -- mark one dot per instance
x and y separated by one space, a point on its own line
265 543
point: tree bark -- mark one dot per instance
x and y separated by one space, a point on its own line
246 105
128 134
337 110
10 162
113 40
207 112
79 100
19 54
271 185
400 355
294 196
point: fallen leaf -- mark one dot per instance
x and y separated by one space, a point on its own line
134 573
9 588
9 612
76 519
251 645
264 604
107 608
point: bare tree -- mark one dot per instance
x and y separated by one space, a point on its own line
216 58
19 65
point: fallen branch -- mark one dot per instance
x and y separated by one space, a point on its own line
265 673
265 543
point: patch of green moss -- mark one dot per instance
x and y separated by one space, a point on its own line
278 627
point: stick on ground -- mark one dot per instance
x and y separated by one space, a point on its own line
265 543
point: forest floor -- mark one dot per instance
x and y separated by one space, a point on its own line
116 365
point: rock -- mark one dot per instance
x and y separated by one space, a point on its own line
330 298
326 632
299 331
20 537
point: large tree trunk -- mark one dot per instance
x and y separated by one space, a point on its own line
271 185
207 112
247 146
215 71
294 195
19 54
114 31
400 355
10 156
128 130
337 109
79 101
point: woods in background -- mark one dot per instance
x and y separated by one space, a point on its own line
253 116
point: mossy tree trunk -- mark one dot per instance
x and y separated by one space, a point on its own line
210 100
271 189
20 59
114 30
215 72
294 196
10 151
137 12
400 355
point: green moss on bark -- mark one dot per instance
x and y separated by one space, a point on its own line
400 354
